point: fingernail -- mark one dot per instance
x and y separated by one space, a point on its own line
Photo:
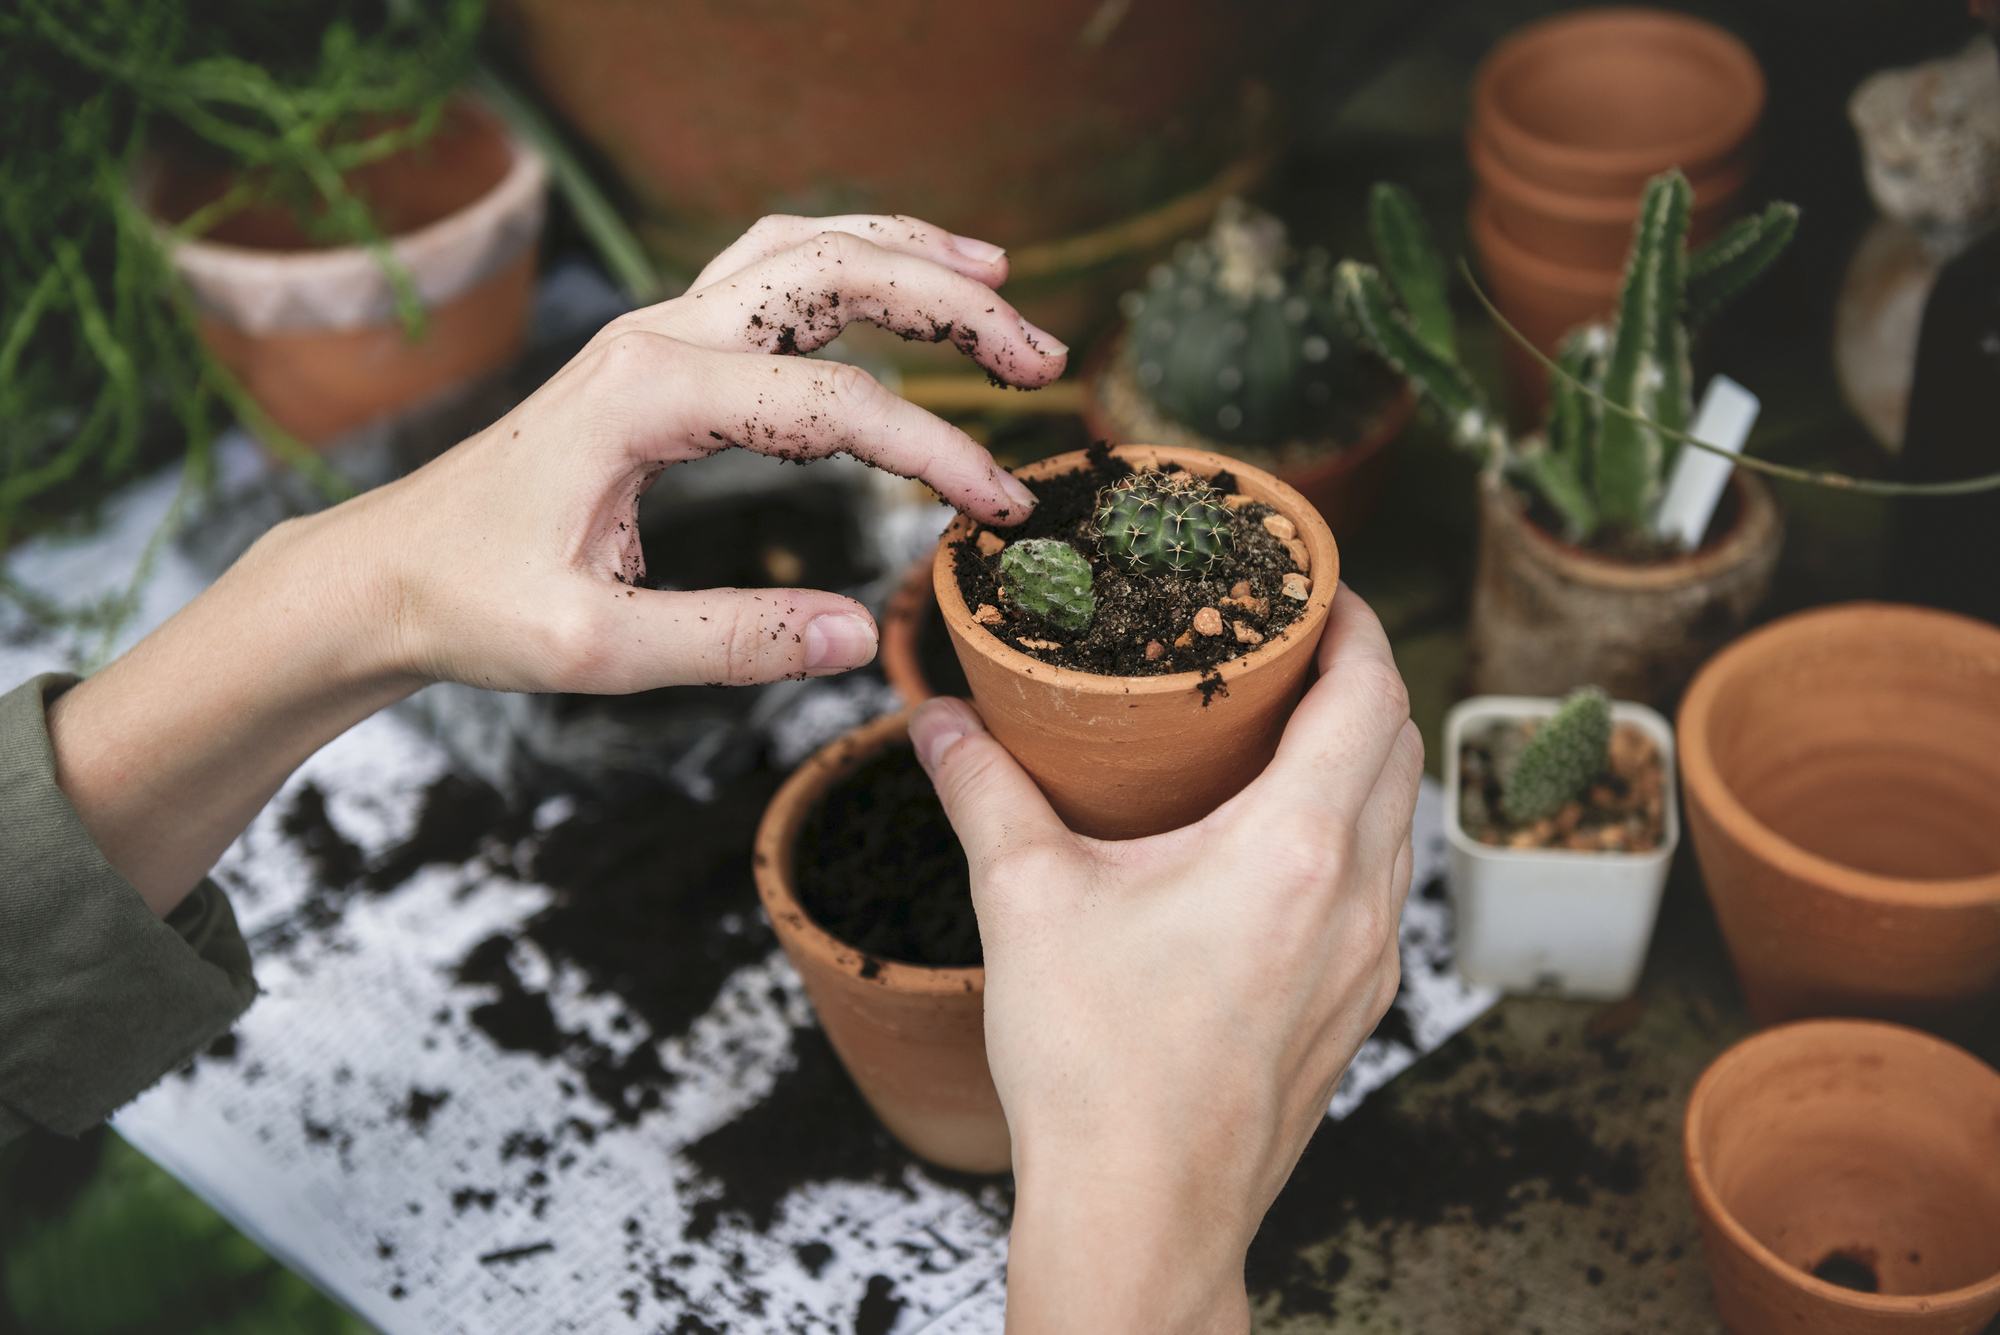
936 726
974 249
838 641
1017 492
1042 341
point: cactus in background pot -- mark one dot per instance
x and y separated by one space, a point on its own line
1562 758
1602 473
1162 523
1049 579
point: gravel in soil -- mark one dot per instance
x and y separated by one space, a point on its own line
1623 811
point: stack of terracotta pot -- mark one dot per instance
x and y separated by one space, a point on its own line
1570 117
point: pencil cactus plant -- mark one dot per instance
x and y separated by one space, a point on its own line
1561 760
1600 471
1049 579
1156 522
1237 339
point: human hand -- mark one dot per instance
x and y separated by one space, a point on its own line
1167 1018
516 554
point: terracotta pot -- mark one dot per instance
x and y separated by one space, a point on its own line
1843 787
1548 616
312 332
916 653
1122 757
1540 298
1592 232
1342 479
1853 1148
913 1038
1596 101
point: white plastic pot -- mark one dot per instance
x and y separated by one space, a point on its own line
1575 924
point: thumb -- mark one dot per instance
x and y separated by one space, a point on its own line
727 637
992 804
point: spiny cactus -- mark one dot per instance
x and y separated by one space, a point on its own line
1049 579
1237 338
1162 523
1559 762
1599 471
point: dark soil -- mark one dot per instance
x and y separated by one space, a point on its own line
879 867
1134 610
1850 1270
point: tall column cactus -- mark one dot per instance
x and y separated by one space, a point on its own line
1600 471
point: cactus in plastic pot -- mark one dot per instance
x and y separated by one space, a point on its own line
1162 523
1562 758
1050 579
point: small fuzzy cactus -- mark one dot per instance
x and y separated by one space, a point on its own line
1049 579
1600 472
1162 523
1559 762
1237 339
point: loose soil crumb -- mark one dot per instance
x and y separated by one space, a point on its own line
1624 811
879 867
1138 610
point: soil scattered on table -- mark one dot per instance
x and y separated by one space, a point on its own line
1624 810
1135 611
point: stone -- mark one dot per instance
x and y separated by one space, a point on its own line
1208 621
986 614
990 544
1155 651
1281 528
1297 586
1244 633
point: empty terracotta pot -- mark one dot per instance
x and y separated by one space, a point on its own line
1122 757
312 331
1542 299
1843 788
913 1037
1596 101
916 653
1548 616
1847 1178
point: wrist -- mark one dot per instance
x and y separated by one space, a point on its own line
333 589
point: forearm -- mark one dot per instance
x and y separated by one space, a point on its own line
169 752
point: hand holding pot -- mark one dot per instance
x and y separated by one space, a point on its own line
1167 1018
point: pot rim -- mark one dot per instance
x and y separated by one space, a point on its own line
1756 511
1550 37
1704 779
901 653
1495 246
1313 530
1712 189
776 845
1479 708
1708 1203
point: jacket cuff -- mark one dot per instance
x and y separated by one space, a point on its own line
99 997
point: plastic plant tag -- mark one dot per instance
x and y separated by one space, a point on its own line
1727 413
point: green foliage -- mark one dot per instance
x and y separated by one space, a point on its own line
1601 472
1560 761
1162 523
1049 579
1237 339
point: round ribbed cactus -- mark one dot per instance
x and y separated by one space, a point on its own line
1239 340
1559 762
1162 523
1051 580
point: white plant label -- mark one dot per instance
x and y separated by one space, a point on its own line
1727 413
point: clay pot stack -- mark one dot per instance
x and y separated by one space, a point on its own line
1571 116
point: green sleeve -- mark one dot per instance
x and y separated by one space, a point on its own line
99 998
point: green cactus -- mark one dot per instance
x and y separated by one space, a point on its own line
1560 761
1049 579
1162 523
1236 338
1602 473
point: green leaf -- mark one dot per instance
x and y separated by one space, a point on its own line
1626 471
1411 261
1723 268
1447 393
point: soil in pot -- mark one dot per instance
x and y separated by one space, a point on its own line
1146 624
877 833
1624 810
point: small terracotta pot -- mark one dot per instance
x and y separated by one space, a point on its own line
312 331
1540 298
1596 101
1122 757
1843 787
1590 232
1846 1146
1548 616
1342 479
913 1037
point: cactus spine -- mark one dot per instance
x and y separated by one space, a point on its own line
1162 523
1560 761
1051 580
1601 472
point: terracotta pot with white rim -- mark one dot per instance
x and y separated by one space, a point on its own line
913 1037
1548 616
1843 785
312 332
1123 757
1574 924
1846 1175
